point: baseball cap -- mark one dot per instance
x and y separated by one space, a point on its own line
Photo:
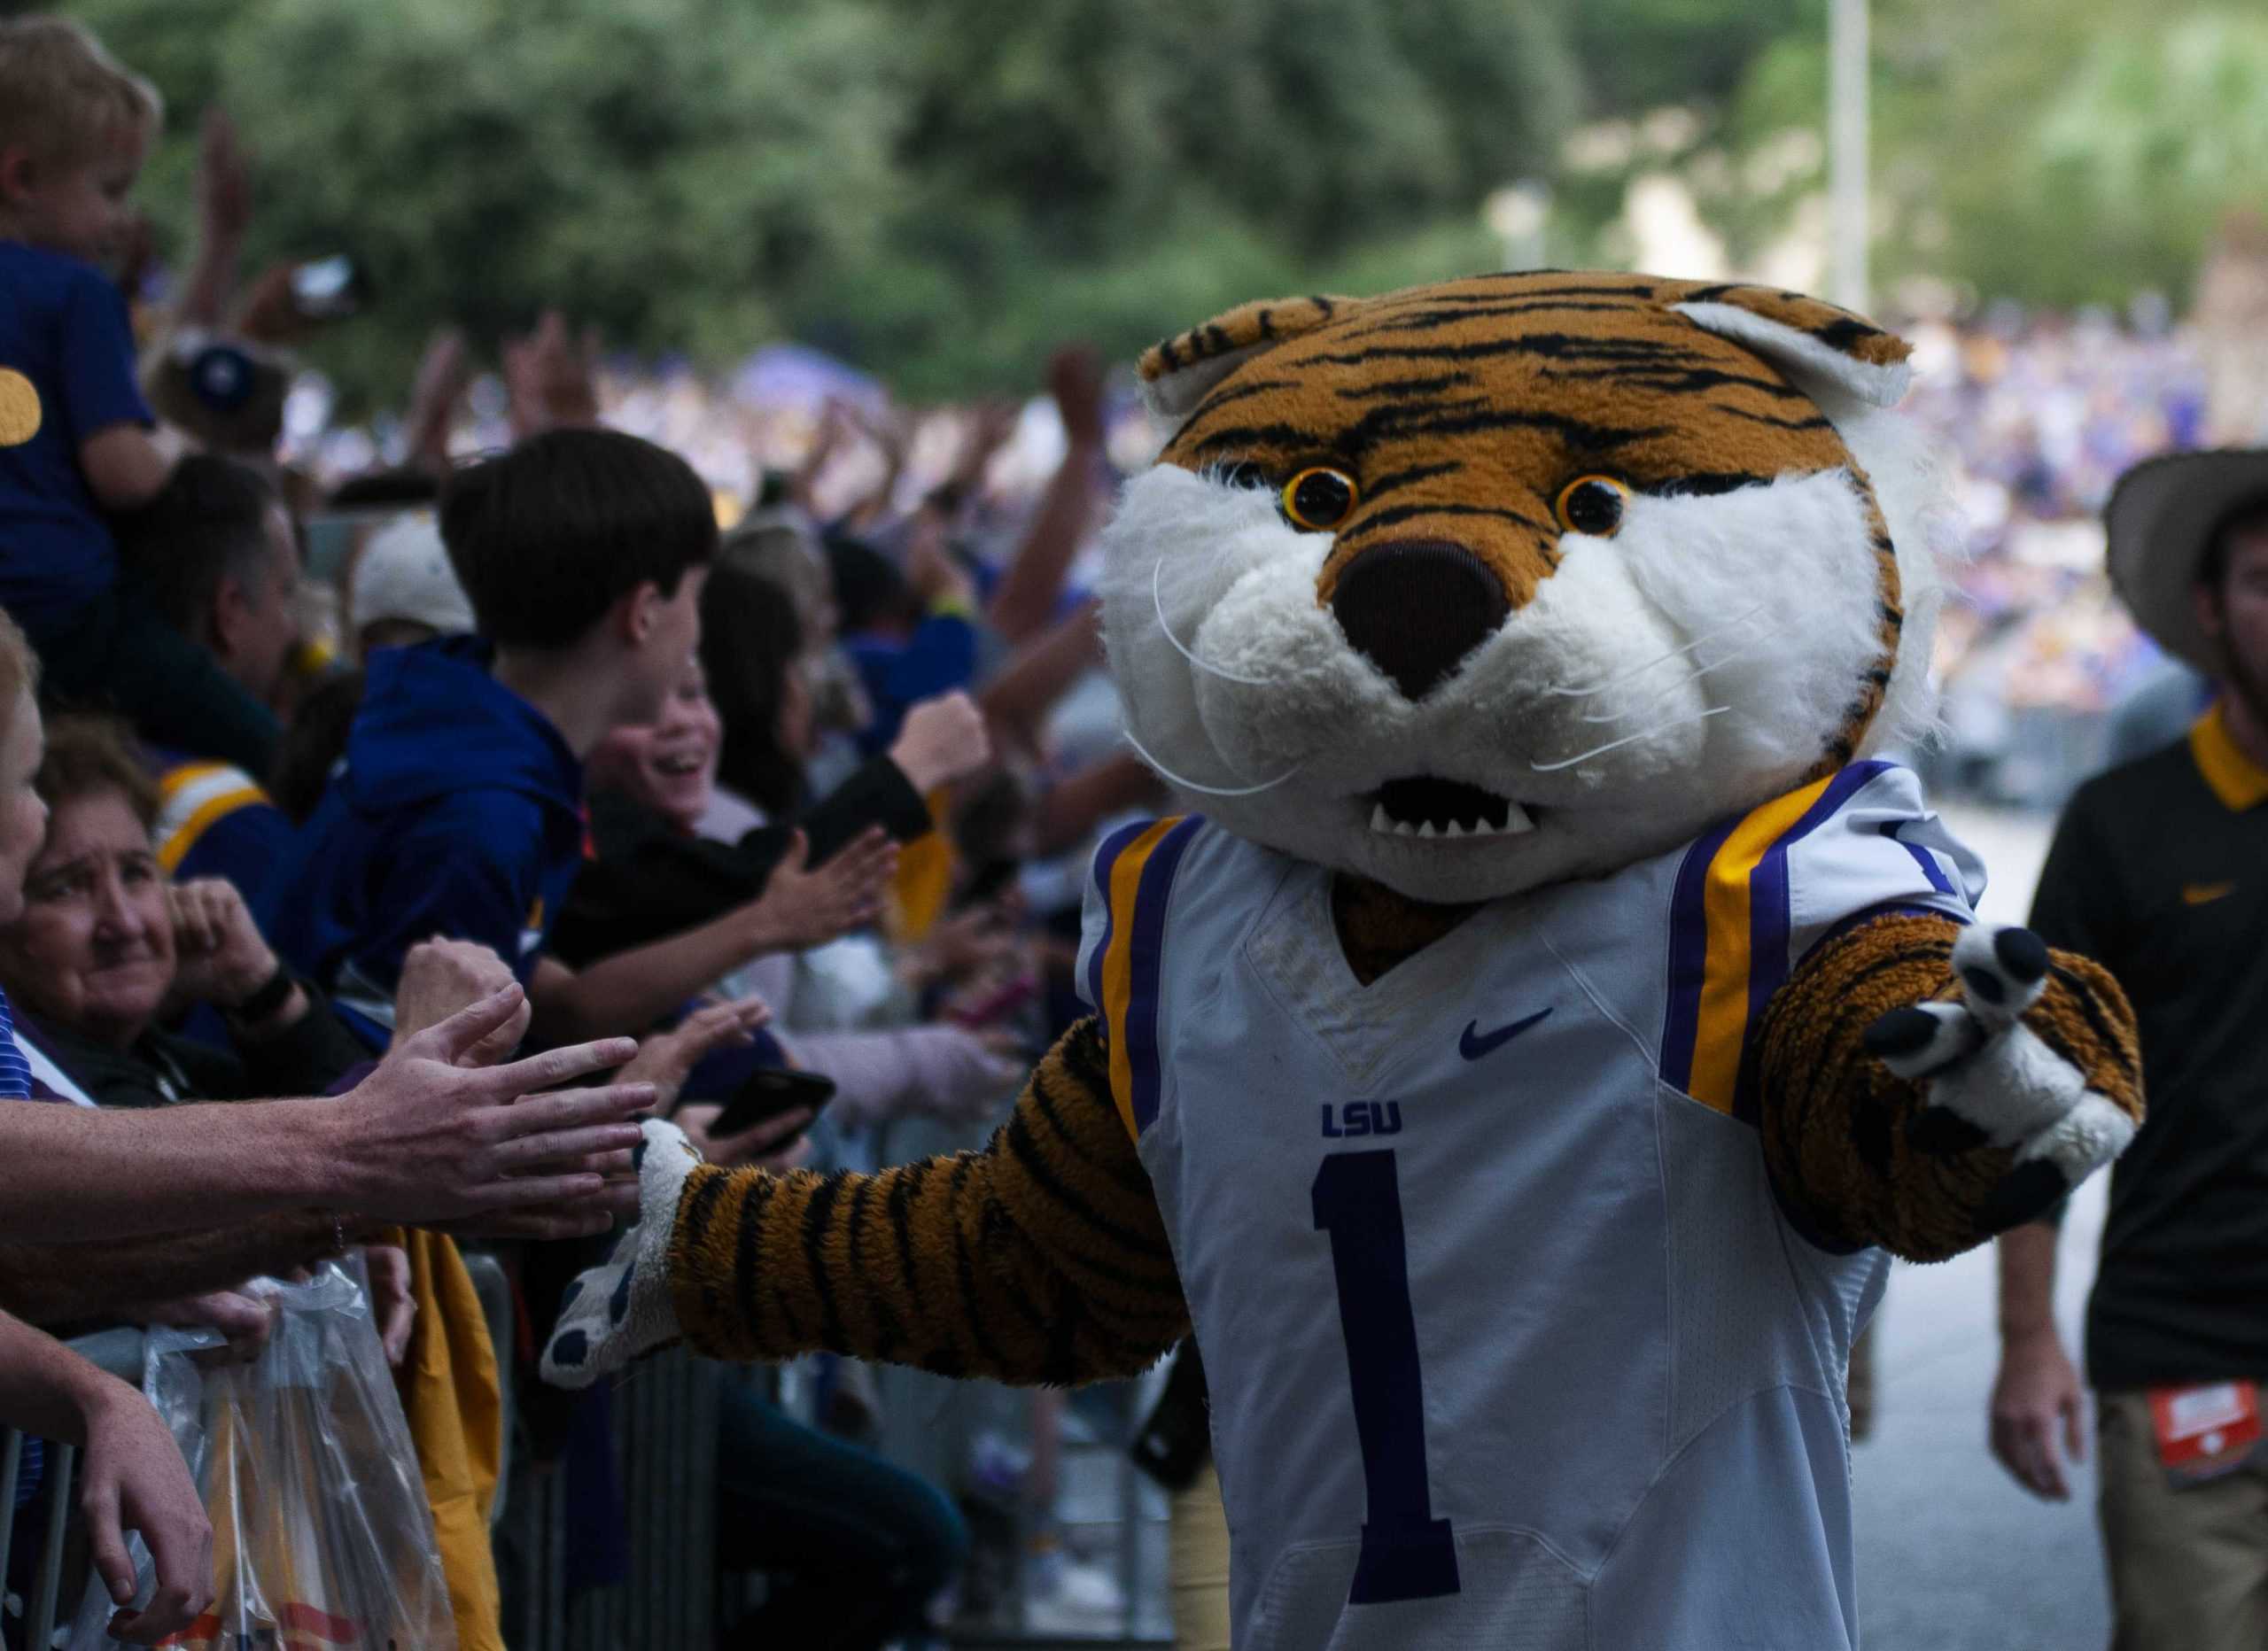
404 573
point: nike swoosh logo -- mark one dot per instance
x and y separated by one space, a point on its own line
1473 1046
2204 893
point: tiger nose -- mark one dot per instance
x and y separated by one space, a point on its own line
1415 609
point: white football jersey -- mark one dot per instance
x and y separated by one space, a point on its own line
1509 1343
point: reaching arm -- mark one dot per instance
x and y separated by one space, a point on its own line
71 1173
632 991
1025 689
1067 813
1042 1259
420 1139
1033 580
223 213
133 1477
56 1284
124 465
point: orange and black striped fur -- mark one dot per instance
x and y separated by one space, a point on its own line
1466 405
1461 411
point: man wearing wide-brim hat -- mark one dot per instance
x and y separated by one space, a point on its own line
2160 870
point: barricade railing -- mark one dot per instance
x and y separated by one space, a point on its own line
664 1430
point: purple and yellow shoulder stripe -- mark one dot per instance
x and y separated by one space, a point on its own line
192 799
1134 871
1730 926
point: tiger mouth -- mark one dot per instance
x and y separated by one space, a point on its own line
1424 806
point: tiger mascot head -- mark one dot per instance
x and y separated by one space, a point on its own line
1478 587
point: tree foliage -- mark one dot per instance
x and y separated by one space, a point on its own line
939 192
936 191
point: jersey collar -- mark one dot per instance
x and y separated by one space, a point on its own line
2231 776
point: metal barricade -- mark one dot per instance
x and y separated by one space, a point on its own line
494 1286
665 1430
118 1352
665 1422
665 1442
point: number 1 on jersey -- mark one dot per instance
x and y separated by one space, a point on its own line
1407 1553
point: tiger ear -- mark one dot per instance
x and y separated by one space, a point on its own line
1177 371
1811 340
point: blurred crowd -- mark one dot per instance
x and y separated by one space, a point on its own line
2039 414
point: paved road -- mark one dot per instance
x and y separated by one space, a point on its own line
1952 1555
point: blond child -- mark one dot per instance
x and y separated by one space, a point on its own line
76 442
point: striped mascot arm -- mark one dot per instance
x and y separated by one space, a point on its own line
1924 1084
1041 1259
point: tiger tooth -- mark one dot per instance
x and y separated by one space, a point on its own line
1480 828
1455 830
1403 828
1379 820
1516 820
1427 830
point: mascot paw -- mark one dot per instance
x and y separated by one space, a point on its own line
621 1308
1990 1080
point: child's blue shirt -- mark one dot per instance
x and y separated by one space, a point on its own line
66 373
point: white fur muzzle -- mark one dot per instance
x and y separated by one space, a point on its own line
1691 666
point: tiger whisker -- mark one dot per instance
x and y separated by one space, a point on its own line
1157 599
1697 672
1705 637
1142 751
1644 734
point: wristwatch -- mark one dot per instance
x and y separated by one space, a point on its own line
274 993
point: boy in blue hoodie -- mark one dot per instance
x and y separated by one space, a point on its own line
458 811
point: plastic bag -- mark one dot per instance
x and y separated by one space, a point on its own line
321 1537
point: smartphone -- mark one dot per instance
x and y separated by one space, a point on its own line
770 1091
326 289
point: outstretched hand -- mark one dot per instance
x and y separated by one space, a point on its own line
424 1139
802 907
777 1144
668 1058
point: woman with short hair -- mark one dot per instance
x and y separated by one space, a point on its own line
107 947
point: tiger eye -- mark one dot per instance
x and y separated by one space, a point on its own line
1592 505
1319 498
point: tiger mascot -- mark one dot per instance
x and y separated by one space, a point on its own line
1515 1077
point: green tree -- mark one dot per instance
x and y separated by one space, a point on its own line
2056 151
670 170
936 192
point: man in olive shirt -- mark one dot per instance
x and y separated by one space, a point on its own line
2160 870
